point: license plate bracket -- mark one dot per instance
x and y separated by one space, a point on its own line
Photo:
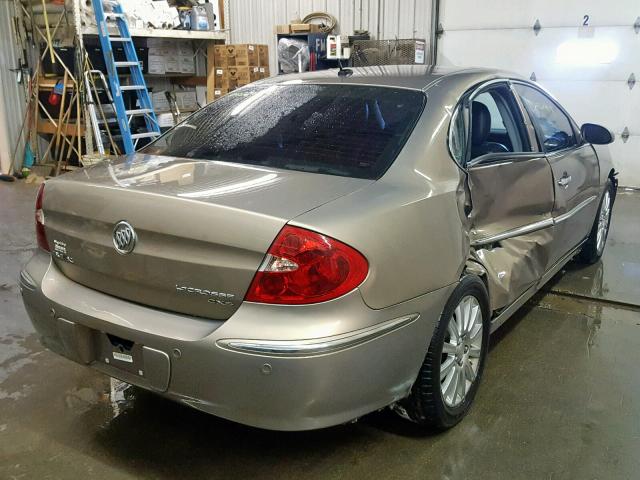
121 353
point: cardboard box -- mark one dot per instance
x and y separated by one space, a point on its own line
246 75
160 102
282 29
186 64
227 78
263 55
246 55
160 46
224 56
172 65
221 78
165 120
304 28
233 74
184 49
264 72
156 64
187 100
219 92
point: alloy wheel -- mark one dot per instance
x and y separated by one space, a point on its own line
461 351
603 222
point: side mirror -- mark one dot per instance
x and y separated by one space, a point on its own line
596 134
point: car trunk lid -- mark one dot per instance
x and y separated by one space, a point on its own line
202 227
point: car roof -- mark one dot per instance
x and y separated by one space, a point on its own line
418 77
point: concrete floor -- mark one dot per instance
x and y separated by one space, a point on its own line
560 397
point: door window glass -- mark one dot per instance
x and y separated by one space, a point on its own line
554 126
496 124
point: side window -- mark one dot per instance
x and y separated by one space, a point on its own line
554 126
496 123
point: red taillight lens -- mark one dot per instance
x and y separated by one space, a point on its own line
41 236
304 267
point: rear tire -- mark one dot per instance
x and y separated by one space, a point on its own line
452 369
593 248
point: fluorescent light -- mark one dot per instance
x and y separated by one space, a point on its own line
586 51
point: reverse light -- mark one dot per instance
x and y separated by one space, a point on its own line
303 267
41 236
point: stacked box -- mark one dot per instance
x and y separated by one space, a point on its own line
247 56
156 65
187 100
186 60
233 74
219 92
263 55
238 65
221 78
160 102
246 75
166 56
224 56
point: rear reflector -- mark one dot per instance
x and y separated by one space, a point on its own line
303 267
41 236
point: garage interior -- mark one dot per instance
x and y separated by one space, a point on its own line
560 394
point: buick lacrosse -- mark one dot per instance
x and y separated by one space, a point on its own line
315 247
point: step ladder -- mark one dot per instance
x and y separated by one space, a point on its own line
95 85
116 68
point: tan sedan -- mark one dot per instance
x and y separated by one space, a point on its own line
312 248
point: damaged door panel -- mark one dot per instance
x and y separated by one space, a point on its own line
511 222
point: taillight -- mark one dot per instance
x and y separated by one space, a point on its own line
41 236
304 267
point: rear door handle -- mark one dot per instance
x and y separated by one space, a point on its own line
565 181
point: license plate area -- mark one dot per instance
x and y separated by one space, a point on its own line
121 353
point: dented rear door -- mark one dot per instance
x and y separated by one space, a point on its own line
511 222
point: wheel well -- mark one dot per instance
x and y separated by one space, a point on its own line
474 268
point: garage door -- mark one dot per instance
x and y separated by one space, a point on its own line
584 52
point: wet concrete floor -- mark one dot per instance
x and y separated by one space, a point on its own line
560 397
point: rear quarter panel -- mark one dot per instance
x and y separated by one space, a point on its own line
407 224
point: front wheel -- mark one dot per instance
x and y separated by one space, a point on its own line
593 248
450 374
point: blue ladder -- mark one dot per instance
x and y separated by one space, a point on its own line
138 85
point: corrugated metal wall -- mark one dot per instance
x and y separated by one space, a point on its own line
12 100
252 21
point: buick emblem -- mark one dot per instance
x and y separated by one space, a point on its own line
124 238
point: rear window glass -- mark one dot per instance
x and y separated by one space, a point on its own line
354 131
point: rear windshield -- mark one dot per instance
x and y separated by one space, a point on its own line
353 131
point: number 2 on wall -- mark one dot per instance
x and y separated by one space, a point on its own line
585 21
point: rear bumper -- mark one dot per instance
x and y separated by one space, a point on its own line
275 367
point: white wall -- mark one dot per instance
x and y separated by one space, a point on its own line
252 21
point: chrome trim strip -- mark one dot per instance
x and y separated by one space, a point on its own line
319 346
493 159
515 232
532 227
574 210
